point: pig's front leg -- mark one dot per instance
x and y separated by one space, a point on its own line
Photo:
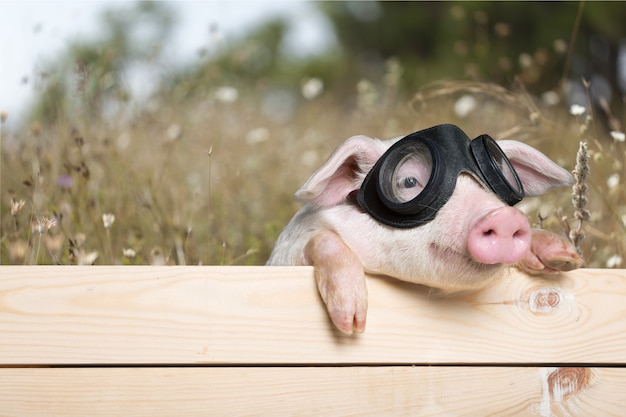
549 253
340 280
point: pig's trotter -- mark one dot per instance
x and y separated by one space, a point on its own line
340 280
549 253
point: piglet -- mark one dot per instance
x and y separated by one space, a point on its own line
359 217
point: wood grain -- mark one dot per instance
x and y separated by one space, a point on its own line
310 391
120 315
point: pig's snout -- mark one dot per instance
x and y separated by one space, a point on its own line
501 237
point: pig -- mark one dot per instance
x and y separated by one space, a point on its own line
473 237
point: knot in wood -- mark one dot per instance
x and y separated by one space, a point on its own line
565 382
544 300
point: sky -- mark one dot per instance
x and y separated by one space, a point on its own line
34 32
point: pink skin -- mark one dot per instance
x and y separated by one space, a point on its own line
466 247
501 237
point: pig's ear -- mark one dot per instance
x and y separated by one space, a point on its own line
342 173
536 171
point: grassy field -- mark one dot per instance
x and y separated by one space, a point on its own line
211 180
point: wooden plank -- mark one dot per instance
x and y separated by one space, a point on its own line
325 391
273 315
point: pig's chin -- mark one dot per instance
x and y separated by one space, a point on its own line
463 269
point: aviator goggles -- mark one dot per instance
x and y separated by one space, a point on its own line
417 175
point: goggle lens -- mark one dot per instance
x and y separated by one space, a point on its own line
497 168
405 175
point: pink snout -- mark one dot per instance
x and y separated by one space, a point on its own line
501 237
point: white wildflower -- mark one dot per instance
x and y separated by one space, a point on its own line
550 98
613 181
16 207
157 257
464 106
44 224
618 136
525 60
312 88
85 258
614 261
174 131
258 135
577 110
108 219
309 158
227 94
560 46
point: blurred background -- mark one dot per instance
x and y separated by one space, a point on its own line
189 125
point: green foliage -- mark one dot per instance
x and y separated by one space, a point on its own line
476 40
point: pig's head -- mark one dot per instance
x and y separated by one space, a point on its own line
464 245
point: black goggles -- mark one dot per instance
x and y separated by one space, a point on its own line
417 175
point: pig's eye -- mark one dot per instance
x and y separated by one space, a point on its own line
406 176
408 182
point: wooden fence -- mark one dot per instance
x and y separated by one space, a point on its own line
256 341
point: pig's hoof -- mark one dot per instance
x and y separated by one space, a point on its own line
348 321
564 264
549 254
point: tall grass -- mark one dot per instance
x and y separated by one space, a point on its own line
210 180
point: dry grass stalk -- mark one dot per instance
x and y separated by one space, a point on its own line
579 196
41 226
